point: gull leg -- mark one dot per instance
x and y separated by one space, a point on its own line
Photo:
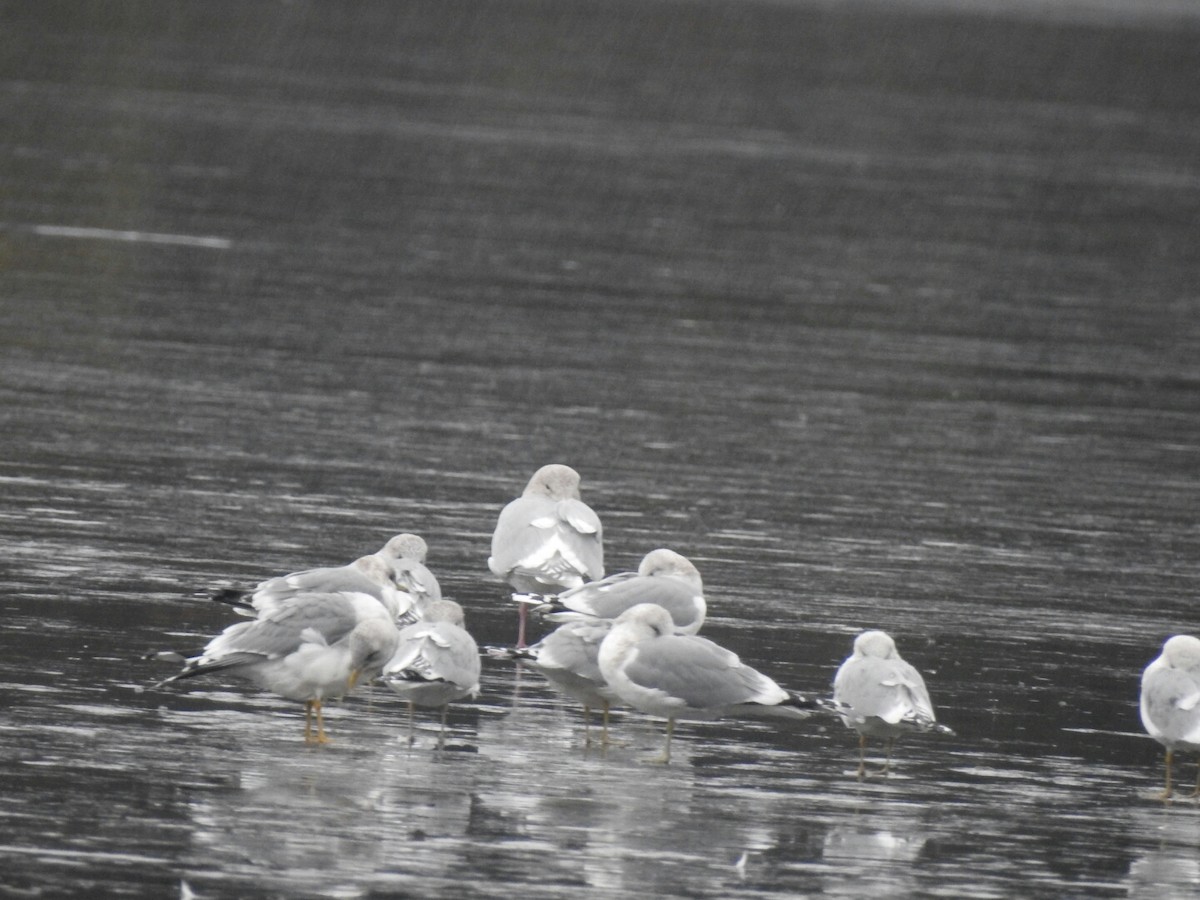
442 733
322 738
308 714
1166 794
587 725
665 757
1196 792
862 756
887 759
606 740
412 736
522 614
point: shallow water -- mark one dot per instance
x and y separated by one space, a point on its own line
883 317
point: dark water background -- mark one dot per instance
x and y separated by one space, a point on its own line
886 316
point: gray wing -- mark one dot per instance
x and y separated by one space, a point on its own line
584 525
308 618
437 651
910 681
700 673
574 648
539 538
1171 703
887 689
301 619
516 539
611 596
271 593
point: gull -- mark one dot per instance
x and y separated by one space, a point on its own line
682 676
663 577
366 575
1170 700
309 647
436 661
547 540
405 557
880 695
567 657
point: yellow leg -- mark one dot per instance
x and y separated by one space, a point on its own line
1196 792
442 732
412 733
308 712
587 725
1166 794
322 738
604 725
862 756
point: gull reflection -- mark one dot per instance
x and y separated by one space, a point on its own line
873 858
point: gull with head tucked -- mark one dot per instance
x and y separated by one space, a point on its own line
1170 700
880 695
436 661
681 676
664 577
547 540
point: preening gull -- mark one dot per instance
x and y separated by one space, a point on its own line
436 661
547 540
663 577
1170 700
681 676
405 557
309 647
880 695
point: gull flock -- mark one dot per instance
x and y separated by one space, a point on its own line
630 639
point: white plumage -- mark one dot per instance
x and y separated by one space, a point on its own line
880 695
1170 700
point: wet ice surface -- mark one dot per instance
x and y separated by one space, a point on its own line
883 319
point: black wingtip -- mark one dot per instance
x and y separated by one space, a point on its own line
507 653
235 597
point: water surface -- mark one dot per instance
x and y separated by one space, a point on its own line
885 317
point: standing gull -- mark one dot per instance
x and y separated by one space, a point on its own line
309 647
879 695
663 577
547 540
681 676
436 661
567 657
1170 701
